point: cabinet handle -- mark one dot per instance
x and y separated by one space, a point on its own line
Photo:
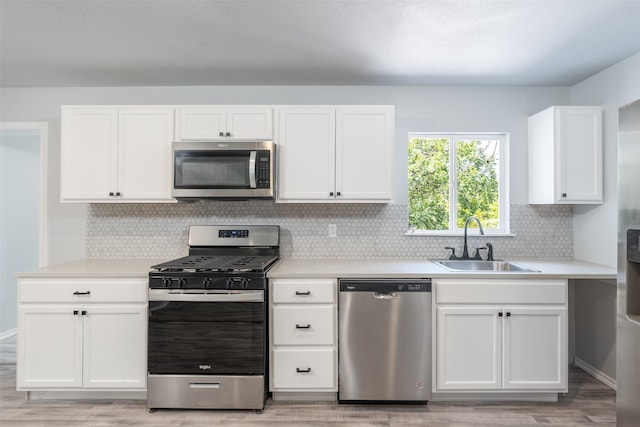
110 193
338 194
82 293
303 293
303 371
228 134
508 314
75 312
221 134
500 314
331 194
84 312
303 326
564 194
118 194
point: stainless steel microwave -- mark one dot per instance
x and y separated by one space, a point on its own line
224 170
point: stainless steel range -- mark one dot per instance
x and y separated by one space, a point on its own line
207 342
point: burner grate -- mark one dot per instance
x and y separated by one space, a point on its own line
210 263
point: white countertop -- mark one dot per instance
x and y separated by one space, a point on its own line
336 268
414 268
130 267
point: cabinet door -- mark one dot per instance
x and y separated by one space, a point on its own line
535 348
88 153
364 153
144 154
306 144
578 135
115 346
468 348
49 347
201 123
250 123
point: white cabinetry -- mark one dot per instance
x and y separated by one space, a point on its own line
81 334
210 123
116 154
565 156
501 335
335 154
303 336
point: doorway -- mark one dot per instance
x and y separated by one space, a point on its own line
23 160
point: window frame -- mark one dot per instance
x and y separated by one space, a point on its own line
503 181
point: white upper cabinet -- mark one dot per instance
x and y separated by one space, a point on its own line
209 123
116 154
336 154
565 156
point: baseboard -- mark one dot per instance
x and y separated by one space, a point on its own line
8 334
494 397
600 376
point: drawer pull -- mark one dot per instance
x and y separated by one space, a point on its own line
303 326
204 385
303 371
82 293
298 293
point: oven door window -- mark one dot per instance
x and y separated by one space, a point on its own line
212 169
206 338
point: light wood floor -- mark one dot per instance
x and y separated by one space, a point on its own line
588 403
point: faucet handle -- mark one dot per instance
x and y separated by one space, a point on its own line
453 252
477 255
490 252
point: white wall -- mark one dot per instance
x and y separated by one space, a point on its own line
595 227
19 215
418 108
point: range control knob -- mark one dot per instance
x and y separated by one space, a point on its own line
182 283
166 282
237 283
206 283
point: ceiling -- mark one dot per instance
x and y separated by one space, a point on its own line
312 42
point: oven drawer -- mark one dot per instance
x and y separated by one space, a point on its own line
304 368
205 392
303 325
304 291
83 290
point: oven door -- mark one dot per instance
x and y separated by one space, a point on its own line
206 334
223 170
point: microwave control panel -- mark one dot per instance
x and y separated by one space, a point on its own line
263 169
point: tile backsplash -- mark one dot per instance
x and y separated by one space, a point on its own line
363 230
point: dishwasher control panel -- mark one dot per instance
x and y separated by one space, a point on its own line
382 285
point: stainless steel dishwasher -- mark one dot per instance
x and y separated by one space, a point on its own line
384 344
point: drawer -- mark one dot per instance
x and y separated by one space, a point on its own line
304 291
501 292
82 290
304 368
304 325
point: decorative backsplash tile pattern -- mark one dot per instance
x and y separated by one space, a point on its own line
364 230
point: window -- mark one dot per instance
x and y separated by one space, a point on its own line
455 176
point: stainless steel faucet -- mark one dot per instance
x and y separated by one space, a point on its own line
465 250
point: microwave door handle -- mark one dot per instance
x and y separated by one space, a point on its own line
252 169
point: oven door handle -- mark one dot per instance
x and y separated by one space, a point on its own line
165 295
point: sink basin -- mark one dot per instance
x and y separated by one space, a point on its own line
477 265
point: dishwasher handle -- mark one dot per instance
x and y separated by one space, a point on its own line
385 295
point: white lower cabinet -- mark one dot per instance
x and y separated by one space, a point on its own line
303 342
501 336
79 334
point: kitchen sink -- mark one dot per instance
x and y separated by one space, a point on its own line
477 265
